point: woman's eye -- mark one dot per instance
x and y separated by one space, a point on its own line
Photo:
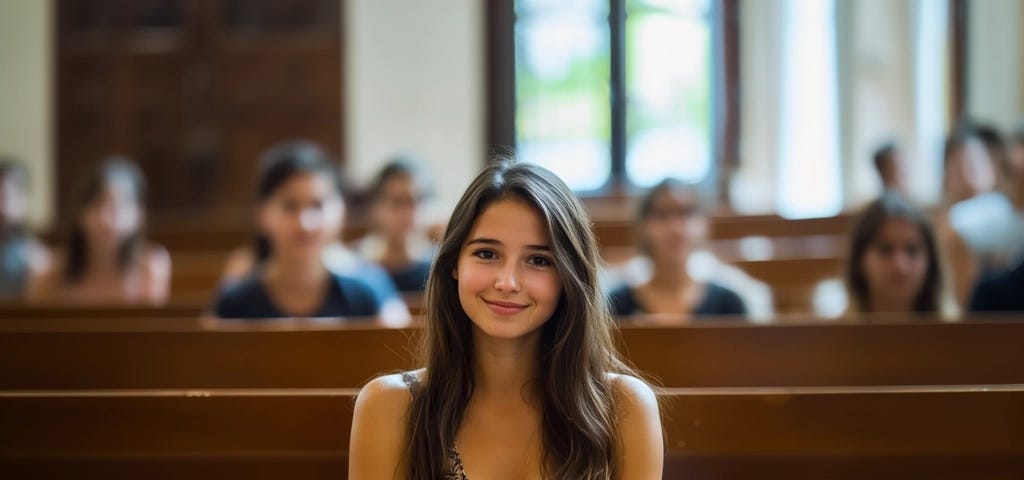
539 261
484 254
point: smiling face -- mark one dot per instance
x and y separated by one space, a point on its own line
302 216
507 280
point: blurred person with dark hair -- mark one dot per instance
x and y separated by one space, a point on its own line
894 264
295 269
967 166
888 162
670 226
22 256
1003 289
397 240
106 258
986 232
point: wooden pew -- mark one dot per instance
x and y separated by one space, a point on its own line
623 232
70 313
933 433
322 354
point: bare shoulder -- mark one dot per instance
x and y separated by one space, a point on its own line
378 428
633 393
386 391
238 264
640 432
44 282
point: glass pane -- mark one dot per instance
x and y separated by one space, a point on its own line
563 114
668 82
809 183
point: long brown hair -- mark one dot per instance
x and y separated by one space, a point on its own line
891 205
576 349
88 191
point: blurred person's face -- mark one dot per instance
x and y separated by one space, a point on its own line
13 201
970 171
1016 156
114 215
674 226
896 263
892 172
396 207
302 216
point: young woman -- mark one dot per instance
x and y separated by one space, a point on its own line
670 227
894 265
106 259
397 242
299 215
22 257
520 377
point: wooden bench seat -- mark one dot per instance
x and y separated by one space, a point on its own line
159 353
723 434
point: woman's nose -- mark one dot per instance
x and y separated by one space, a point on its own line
507 281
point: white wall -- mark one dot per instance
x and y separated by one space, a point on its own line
415 83
25 96
995 84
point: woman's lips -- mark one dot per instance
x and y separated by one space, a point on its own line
504 308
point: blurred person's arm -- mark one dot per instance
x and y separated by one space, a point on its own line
158 273
963 267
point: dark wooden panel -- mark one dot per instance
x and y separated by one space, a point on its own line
194 91
180 353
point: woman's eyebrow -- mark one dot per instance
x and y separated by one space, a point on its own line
491 241
485 241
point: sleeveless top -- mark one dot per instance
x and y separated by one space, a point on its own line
248 299
455 470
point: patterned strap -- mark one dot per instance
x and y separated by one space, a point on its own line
411 381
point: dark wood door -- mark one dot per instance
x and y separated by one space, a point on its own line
194 90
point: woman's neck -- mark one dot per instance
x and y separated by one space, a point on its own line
396 251
670 275
504 367
880 304
295 274
103 260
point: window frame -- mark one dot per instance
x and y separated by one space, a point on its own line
500 22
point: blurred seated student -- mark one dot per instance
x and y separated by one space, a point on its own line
671 226
894 265
985 234
22 257
968 167
1000 291
106 258
396 241
299 215
888 161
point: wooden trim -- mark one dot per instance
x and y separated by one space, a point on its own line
617 85
500 64
727 96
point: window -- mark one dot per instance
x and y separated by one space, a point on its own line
615 91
